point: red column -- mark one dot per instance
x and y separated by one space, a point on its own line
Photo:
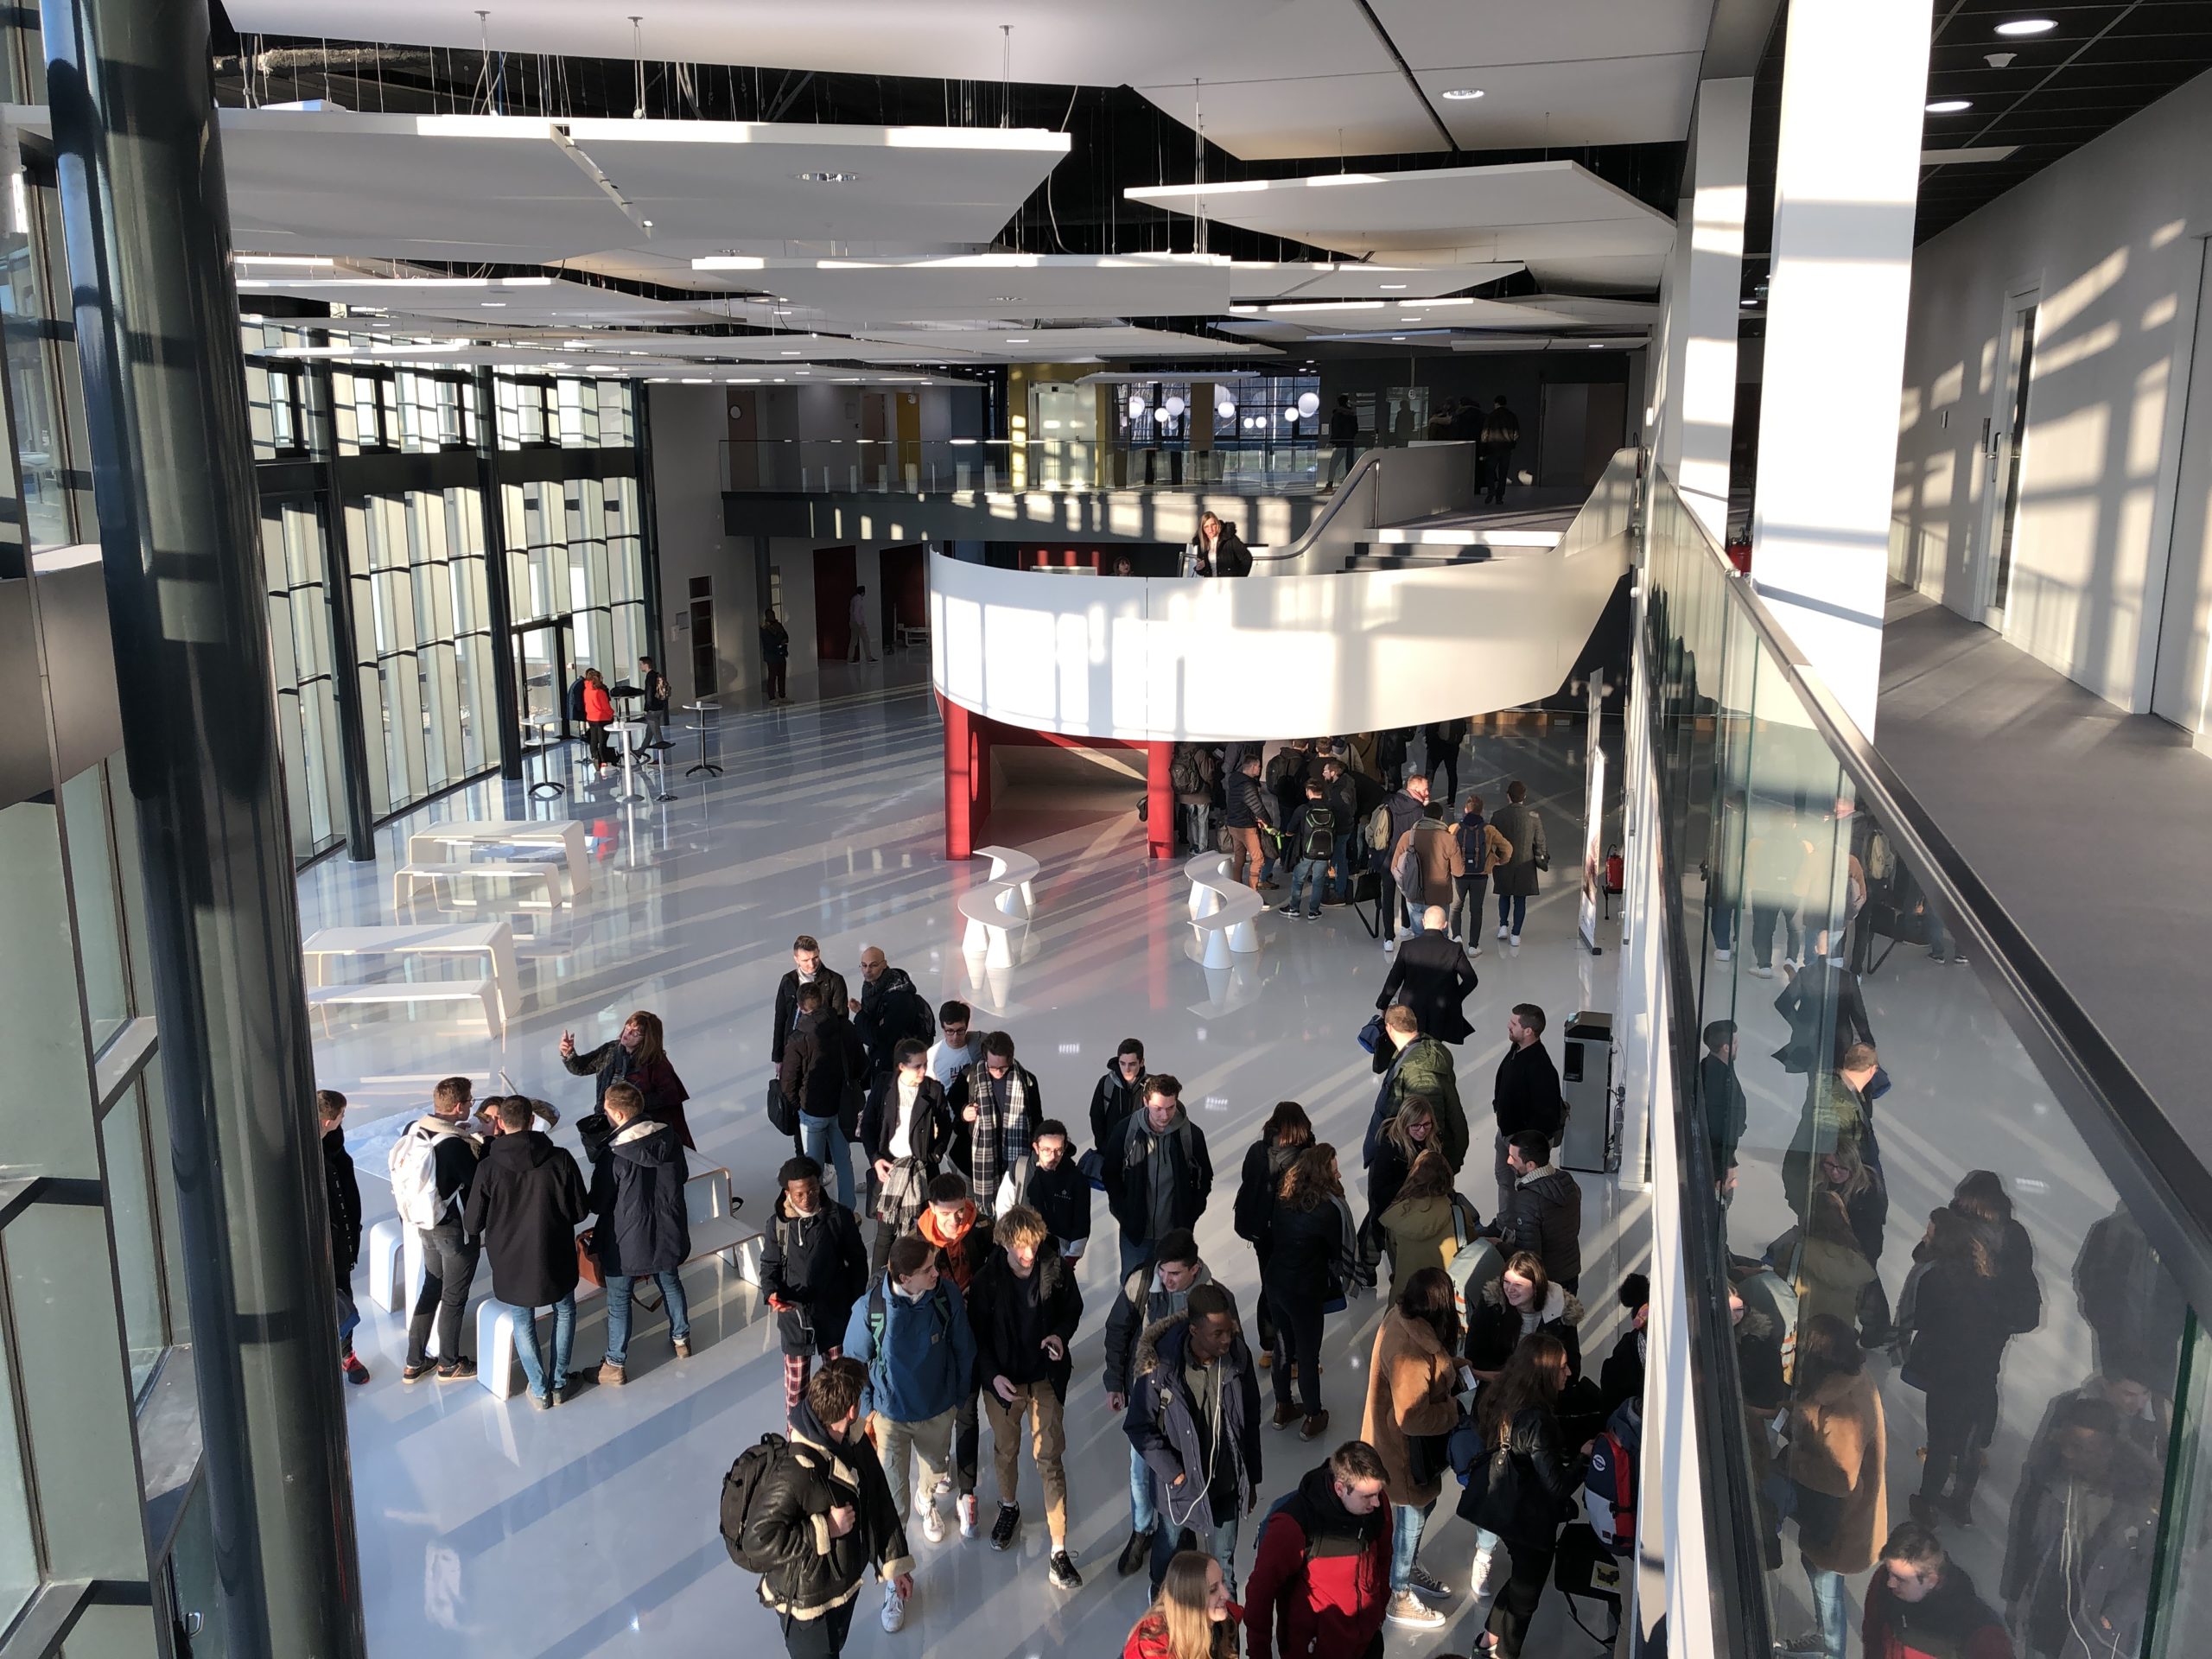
959 768
1159 797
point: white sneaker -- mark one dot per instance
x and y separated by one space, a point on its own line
1406 1608
1390 945
1517 941
943 1485
1720 953
1760 971
1501 929
1478 1576
1474 950
933 1523
968 1516
894 1609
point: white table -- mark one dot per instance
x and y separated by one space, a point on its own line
632 735
493 940
705 707
548 737
565 833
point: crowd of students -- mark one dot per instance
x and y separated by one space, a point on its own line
1343 821
963 1309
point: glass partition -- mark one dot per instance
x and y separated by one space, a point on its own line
1953 1311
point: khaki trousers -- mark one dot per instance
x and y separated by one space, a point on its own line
1047 1441
930 1441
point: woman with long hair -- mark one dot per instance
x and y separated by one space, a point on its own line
775 656
1520 1303
1835 1463
1403 1136
1520 1492
1192 1617
1413 1377
1960 1331
1417 1228
1287 1132
637 1057
598 715
1311 1260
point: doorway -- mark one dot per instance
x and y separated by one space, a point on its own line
835 583
2179 689
2006 455
905 593
542 658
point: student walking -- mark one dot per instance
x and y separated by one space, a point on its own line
961 1235
644 1228
823 1515
996 1106
1413 1376
1191 1616
1312 839
1117 1094
1287 1132
905 1129
1321 1574
1159 1176
813 1268
1194 1417
1312 1249
1482 848
1028 1308
912 1333
823 1076
1517 1494
1059 1191
1513 878
526 1205
1415 1066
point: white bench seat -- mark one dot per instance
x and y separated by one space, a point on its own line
524 872
1222 911
485 993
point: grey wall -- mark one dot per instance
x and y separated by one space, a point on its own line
689 424
2112 236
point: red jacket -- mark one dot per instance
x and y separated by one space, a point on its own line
1149 1639
599 708
1952 1623
1321 1583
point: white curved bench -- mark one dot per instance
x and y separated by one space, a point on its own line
1016 868
1222 911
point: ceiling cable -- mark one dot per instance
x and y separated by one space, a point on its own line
484 47
638 56
1006 75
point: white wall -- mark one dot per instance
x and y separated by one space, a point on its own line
2108 233
689 424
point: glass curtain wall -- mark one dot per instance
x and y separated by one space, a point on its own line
1953 1311
575 562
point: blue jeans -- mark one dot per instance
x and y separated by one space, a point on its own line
618 1312
349 1317
1830 1608
1309 877
1406 1524
1220 1543
823 1138
1518 905
1341 857
1143 1515
564 1337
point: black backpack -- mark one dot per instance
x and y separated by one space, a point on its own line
740 1489
1318 838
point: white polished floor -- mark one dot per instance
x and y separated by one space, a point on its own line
489 1528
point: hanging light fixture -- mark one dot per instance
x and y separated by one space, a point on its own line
1307 404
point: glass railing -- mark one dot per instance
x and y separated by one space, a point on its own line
1966 1248
911 466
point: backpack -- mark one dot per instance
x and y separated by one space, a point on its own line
415 1176
1318 838
879 1317
1879 862
740 1486
1183 771
1378 828
1259 1538
1279 768
1610 1481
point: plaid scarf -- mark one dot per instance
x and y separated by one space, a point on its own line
999 1138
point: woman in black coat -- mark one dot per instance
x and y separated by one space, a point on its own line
1520 1303
1960 1329
1521 1491
638 1057
921 1128
1311 1261
1288 1132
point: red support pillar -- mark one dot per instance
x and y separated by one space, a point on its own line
967 779
1159 797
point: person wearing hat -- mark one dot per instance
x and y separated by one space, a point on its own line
814 1268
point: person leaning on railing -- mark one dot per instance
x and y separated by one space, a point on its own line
1217 550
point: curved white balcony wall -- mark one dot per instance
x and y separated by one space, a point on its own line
1174 659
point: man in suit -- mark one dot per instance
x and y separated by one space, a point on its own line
1431 975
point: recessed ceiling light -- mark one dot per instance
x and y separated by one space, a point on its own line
1006 299
493 305
1392 287
1463 94
1397 336
1949 106
1596 345
2028 26
1023 341
794 353
826 177
1747 302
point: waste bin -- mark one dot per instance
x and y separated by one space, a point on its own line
1592 1141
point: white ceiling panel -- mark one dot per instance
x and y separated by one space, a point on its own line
494 302
1534 211
1065 345
1012 285
1335 280
522 190
1281 78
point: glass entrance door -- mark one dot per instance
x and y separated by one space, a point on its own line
542 673
2010 446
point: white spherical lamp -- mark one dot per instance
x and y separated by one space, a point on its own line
1136 407
1174 406
1307 403
1290 412
1226 409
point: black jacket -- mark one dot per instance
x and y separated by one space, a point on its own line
527 1204
1344 425
892 1010
1528 1099
1111 1102
1062 1196
995 1311
833 994
342 1192
1807 1001
1255 1189
789 1522
1142 1162
656 1080
1726 1112
1494 1327
1166 1426
636 1188
1546 1220
1141 1305
1250 806
1431 975
928 1135
1544 1483
819 1265
1230 556
1322 818
1310 1252
824 1070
